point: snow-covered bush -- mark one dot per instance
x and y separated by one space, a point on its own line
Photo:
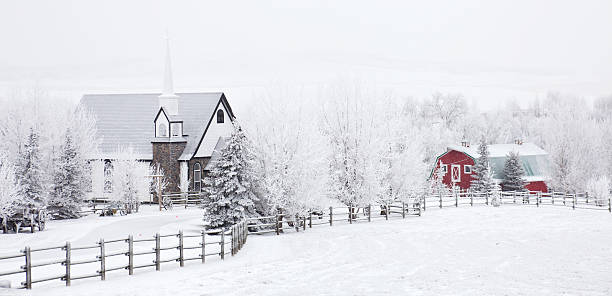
599 189
69 181
230 184
495 195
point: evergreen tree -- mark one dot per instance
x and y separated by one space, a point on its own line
482 169
30 174
68 182
513 173
230 184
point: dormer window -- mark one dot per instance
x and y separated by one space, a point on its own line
162 130
220 116
176 129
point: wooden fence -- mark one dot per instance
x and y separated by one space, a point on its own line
534 198
105 255
333 215
184 198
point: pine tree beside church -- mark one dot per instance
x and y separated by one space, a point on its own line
30 174
513 173
231 183
68 182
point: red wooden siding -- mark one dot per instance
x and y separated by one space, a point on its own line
453 157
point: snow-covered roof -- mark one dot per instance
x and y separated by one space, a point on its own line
124 120
501 150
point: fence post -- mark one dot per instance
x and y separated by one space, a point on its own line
102 260
310 219
386 211
403 210
586 195
574 202
203 246
424 203
67 262
471 199
304 225
28 267
609 206
350 208
552 198
232 239
331 216
538 200
440 194
564 198
277 220
296 220
181 249
369 212
157 251
130 254
222 244
456 200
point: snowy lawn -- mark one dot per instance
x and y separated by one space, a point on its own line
467 251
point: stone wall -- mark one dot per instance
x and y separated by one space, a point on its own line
166 155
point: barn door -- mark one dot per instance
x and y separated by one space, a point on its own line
455 173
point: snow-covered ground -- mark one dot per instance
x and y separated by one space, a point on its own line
509 250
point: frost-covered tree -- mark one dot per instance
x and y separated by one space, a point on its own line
9 189
230 184
69 178
600 189
129 179
513 173
30 175
481 172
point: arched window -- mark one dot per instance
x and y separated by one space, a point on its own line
163 130
220 117
197 177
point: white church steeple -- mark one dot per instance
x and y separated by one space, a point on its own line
168 99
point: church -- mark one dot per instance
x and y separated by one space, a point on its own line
177 132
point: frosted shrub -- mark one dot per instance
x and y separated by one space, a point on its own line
599 189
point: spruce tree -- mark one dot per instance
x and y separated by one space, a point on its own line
481 171
513 173
9 190
230 184
68 182
30 174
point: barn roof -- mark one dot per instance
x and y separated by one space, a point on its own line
126 120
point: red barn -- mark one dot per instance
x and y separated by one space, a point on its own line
457 163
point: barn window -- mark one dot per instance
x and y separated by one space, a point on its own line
197 177
444 169
220 116
467 169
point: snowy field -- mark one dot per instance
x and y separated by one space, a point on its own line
509 250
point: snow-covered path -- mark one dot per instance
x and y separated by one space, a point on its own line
465 251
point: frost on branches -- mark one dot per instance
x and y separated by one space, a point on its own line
230 184
600 190
513 173
31 175
69 185
9 189
129 180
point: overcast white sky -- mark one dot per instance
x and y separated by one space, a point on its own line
486 50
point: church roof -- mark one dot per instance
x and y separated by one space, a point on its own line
221 143
126 120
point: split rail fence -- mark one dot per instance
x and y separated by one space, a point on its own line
333 215
533 198
125 254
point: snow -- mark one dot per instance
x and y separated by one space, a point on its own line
501 150
510 250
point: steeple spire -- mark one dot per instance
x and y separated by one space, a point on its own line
168 99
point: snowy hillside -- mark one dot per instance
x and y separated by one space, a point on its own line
467 251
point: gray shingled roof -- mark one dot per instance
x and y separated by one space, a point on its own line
216 155
126 120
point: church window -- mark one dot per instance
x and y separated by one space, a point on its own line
108 176
197 177
220 116
176 130
163 130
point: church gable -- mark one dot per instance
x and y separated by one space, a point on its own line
162 124
219 125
